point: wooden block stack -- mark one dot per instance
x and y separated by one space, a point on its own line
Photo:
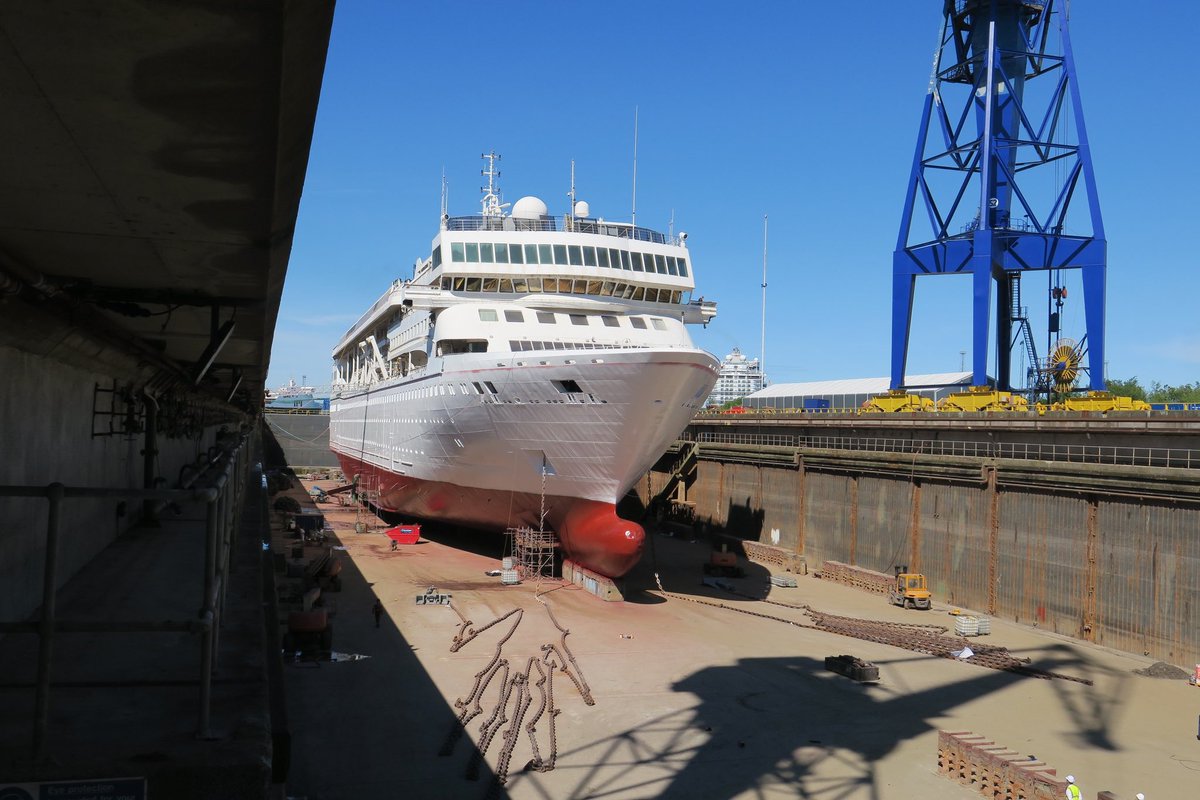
994 771
866 579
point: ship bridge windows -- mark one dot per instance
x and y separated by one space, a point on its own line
579 319
545 317
610 321
513 316
638 323
563 255
488 315
659 325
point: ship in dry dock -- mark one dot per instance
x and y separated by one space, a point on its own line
528 373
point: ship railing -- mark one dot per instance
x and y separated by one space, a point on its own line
216 482
1176 458
620 230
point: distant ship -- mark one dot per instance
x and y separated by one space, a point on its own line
529 373
294 397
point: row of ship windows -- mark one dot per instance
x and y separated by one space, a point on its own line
573 255
525 345
539 285
550 318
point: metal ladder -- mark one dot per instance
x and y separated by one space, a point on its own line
1020 315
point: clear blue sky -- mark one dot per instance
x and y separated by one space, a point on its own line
806 111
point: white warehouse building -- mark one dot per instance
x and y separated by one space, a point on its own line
851 393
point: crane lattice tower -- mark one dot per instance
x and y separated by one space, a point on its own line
1002 182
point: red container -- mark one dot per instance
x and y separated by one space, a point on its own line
404 534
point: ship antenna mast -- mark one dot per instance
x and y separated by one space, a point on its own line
445 205
491 200
633 233
762 351
571 194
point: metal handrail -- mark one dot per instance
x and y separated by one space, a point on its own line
1176 458
223 478
619 230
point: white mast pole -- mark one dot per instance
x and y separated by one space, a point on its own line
571 194
632 233
762 351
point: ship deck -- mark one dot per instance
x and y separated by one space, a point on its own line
694 700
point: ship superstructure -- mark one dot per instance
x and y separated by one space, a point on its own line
531 370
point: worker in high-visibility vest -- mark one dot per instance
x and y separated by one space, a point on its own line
1073 792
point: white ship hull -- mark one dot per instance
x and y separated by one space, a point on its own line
488 458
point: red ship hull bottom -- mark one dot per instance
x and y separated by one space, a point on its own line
590 531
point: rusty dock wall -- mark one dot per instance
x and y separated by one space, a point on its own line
1106 553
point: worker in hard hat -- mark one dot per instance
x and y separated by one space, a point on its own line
1073 792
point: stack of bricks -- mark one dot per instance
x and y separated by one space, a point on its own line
766 554
994 771
866 579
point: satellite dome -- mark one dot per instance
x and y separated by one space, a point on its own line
529 208
582 209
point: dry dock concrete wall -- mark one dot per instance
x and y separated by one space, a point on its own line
1108 554
298 440
47 424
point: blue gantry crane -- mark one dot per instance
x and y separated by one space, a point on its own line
1003 177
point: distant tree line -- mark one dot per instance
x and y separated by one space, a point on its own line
1157 393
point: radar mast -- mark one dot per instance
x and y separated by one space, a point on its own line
492 207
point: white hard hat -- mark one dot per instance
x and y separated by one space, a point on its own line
1070 779
1140 796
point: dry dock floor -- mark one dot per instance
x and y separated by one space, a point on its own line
696 701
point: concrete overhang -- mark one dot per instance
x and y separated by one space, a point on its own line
151 166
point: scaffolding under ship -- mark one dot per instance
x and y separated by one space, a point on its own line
532 366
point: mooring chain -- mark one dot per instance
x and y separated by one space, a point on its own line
466 634
581 684
554 712
490 727
516 689
513 734
470 708
989 656
531 727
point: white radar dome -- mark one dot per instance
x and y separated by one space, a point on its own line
529 208
582 209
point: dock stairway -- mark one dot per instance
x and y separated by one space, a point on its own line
682 471
1020 315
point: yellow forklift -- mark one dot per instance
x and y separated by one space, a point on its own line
909 589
